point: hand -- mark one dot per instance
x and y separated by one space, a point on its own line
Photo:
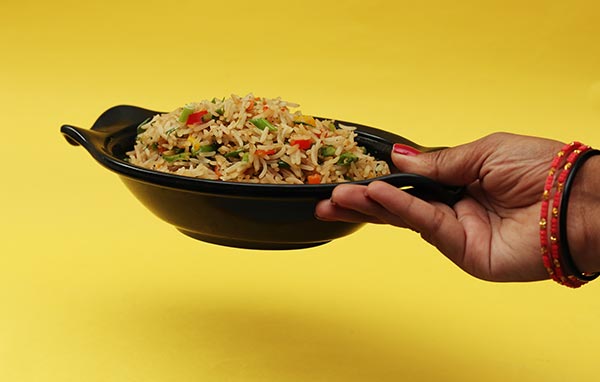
493 232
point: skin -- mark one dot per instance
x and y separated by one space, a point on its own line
493 232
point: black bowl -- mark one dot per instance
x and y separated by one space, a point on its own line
244 215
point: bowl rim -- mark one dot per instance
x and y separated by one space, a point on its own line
120 119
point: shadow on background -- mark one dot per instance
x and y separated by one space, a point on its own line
235 340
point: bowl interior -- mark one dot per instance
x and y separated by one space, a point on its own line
379 143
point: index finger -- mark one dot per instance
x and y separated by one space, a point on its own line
436 223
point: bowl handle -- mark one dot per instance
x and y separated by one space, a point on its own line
425 188
84 137
91 140
110 122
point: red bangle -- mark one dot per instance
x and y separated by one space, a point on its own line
550 225
552 267
566 279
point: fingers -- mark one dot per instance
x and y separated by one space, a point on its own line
343 208
328 211
382 203
437 223
444 227
350 203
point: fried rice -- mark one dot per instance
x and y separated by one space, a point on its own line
252 139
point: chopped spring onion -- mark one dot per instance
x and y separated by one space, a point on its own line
140 128
205 149
176 157
346 159
327 151
261 123
185 113
234 153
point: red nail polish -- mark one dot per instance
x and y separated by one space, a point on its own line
399 148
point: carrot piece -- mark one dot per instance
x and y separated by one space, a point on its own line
262 153
250 105
314 179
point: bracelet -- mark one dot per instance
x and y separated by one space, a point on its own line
564 243
556 256
548 240
556 240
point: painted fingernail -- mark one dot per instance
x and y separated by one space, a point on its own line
399 148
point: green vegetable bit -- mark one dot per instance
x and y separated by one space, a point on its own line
205 149
140 128
346 158
327 151
246 157
283 164
261 123
234 153
332 126
176 157
168 132
185 113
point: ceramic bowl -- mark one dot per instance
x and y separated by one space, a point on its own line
243 215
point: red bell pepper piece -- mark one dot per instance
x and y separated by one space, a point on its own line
196 117
304 144
262 153
217 171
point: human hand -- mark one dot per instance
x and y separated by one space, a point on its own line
493 232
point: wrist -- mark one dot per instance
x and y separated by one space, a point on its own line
583 219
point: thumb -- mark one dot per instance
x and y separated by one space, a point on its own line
459 166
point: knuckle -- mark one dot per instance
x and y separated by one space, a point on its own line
431 233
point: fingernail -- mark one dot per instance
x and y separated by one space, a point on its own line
323 219
401 149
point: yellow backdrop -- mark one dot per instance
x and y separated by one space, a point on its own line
95 288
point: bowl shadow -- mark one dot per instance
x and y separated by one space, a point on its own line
239 341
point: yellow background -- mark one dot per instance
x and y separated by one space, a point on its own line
95 288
